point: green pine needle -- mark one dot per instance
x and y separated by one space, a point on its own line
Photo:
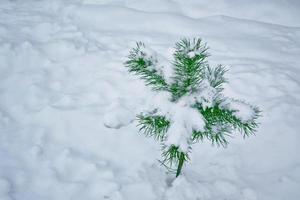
143 65
188 66
153 125
174 156
215 77
226 118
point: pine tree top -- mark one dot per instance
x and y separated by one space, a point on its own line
191 107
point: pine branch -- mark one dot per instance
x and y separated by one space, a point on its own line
215 77
153 125
188 66
143 65
216 133
173 156
225 118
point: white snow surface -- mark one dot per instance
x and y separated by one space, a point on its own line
67 103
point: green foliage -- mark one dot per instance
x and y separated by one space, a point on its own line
215 77
189 64
153 125
192 77
143 65
220 122
174 156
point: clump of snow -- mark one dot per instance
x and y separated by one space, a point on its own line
159 64
205 95
241 110
183 119
193 52
118 115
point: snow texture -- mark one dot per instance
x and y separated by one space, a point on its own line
67 103
241 110
183 118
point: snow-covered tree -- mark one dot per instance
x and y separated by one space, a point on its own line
190 106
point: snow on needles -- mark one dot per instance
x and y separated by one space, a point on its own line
242 110
184 119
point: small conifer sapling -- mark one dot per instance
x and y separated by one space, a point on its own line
190 106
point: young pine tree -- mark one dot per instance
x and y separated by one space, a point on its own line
190 106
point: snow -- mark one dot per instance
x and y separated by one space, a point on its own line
118 115
241 110
183 121
183 118
4 188
68 104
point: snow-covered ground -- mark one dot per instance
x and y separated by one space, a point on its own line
67 103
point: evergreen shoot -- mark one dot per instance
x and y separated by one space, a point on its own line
190 106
